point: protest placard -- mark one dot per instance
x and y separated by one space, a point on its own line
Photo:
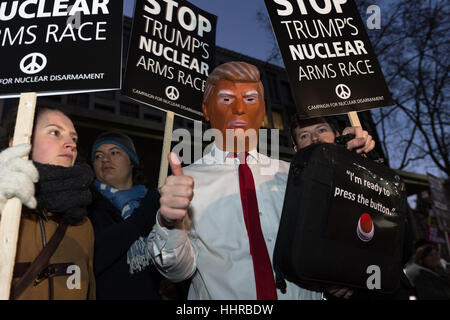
440 211
171 53
331 65
58 47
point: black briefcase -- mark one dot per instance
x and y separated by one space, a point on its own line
343 222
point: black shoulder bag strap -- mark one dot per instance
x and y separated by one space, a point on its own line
39 263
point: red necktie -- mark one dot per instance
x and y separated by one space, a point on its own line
265 283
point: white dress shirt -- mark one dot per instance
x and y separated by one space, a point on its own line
214 247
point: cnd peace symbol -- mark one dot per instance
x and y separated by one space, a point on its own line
33 63
172 93
342 91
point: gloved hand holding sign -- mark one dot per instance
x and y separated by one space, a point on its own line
17 176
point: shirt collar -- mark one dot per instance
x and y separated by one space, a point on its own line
220 156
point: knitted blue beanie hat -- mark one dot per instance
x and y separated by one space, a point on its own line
119 139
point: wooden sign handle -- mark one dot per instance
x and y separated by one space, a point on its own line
11 212
447 241
166 149
354 120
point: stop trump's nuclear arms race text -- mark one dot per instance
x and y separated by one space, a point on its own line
168 45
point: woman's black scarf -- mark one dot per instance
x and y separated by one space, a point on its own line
64 191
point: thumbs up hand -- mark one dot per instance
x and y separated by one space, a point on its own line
176 194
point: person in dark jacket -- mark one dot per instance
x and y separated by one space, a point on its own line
123 213
305 132
429 277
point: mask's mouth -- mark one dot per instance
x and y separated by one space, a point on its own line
237 124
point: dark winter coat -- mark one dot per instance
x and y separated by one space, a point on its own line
429 284
113 238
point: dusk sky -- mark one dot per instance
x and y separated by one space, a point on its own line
237 28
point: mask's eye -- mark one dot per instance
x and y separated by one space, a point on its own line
251 99
226 99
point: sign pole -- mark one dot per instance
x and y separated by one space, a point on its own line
10 215
447 242
354 119
166 149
